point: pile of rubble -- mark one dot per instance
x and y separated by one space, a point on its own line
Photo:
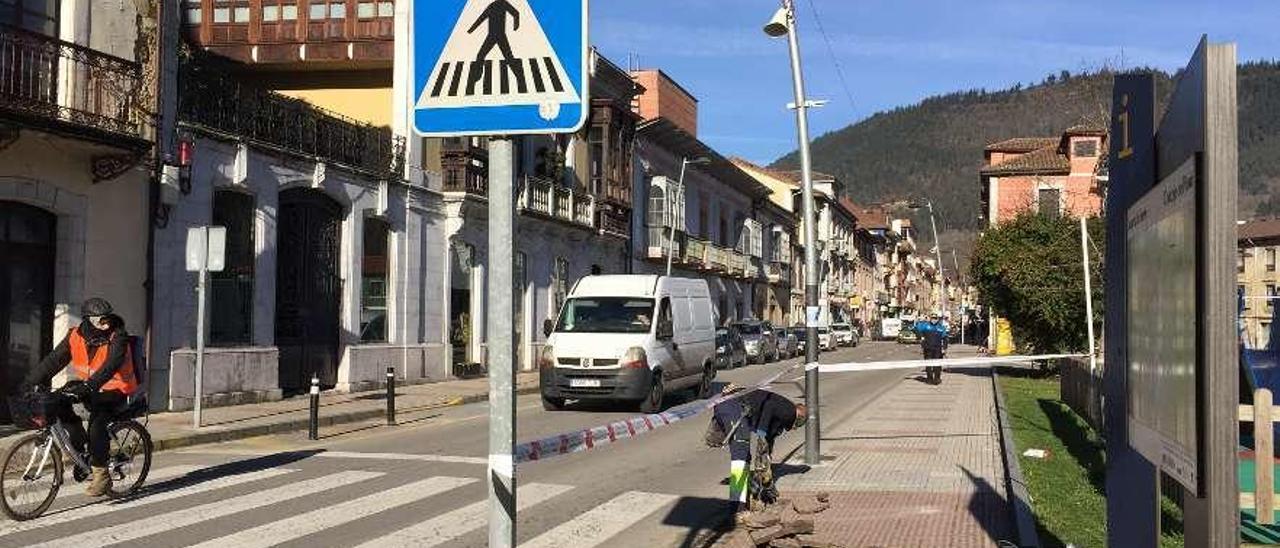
785 524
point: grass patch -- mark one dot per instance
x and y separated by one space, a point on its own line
1067 488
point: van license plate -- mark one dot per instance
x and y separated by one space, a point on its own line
584 383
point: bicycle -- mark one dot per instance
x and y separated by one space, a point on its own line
38 458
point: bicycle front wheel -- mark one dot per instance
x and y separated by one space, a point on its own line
130 457
29 479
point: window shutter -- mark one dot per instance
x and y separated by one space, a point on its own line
757 239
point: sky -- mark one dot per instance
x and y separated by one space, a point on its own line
896 52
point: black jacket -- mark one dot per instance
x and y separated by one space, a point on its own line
115 342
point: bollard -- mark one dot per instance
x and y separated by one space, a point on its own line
313 431
391 395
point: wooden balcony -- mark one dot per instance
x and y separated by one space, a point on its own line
614 222
72 90
342 34
697 253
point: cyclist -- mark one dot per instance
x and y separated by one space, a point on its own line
103 377
763 413
933 343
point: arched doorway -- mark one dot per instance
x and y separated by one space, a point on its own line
27 236
308 289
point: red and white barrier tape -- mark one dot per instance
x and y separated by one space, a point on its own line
599 436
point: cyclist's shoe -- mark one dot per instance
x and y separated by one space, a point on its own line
101 483
79 474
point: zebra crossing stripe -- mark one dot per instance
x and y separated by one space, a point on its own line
449 526
153 477
480 75
301 525
601 523
82 512
136 529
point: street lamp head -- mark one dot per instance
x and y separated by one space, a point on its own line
777 26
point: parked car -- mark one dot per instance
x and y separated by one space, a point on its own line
799 332
908 335
844 334
889 329
788 343
730 350
826 339
761 345
774 336
629 338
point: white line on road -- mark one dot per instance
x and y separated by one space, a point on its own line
82 512
136 529
451 525
349 455
301 525
153 477
601 523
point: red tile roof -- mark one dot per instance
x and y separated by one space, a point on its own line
1022 144
1259 232
1046 160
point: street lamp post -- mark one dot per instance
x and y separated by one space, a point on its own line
671 240
937 252
784 23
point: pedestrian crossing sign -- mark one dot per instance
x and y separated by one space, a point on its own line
486 67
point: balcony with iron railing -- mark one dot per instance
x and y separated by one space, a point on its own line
212 98
72 90
613 222
542 197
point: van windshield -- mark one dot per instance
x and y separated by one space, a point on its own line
606 315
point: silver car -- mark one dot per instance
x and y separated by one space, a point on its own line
762 347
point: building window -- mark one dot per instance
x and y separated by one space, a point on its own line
596 141
386 9
1085 148
289 12
34 15
373 281
318 10
724 230
221 15
337 10
704 228
231 291
270 13
559 284
366 10
1271 259
191 10
241 14
1050 202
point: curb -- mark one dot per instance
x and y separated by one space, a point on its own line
205 438
1023 519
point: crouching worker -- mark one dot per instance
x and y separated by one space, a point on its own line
765 415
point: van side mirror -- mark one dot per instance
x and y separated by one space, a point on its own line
547 326
665 330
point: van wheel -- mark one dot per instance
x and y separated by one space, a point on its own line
708 382
552 404
652 403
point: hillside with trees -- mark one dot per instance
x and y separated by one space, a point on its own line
934 148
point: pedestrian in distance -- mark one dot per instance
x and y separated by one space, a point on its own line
103 378
759 416
933 343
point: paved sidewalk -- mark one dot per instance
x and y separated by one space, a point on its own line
920 466
173 430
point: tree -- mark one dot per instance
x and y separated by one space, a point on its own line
1028 271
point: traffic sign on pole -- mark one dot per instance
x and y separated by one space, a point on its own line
486 67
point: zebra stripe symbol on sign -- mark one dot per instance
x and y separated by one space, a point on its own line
498 55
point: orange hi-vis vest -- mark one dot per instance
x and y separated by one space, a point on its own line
84 365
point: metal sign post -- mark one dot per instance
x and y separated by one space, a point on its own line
500 67
206 252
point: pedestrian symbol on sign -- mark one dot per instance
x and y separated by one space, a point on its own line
498 55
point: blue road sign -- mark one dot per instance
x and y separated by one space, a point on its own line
485 67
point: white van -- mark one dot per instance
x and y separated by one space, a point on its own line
629 338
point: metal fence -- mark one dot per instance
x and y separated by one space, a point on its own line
213 97
1081 390
44 77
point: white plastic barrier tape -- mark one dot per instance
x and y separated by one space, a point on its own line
945 363
592 438
605 434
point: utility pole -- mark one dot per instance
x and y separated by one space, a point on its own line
784 22
1088 296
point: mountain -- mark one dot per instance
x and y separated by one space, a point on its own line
934 148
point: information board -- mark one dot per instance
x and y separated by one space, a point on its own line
1162 335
